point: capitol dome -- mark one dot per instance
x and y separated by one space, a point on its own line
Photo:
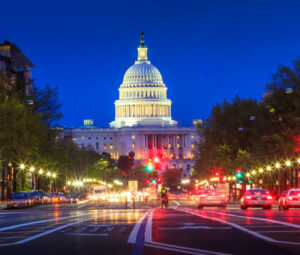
142 73
142 95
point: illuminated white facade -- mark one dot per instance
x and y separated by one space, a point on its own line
143 122
142 95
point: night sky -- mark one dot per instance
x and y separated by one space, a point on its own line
206 51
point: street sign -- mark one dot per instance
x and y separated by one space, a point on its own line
133 185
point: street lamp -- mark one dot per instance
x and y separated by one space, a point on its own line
22 167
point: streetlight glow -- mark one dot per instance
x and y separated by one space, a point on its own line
22 166
277 165
32 169
288 163
41 171
48 174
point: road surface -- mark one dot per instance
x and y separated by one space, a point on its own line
95 228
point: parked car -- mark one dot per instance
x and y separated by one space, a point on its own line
46 198
36 197
289 199
19 200
257 198
211 198
72 199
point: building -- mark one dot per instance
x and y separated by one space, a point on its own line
143 122
13 60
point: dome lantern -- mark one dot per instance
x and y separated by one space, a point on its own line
142 50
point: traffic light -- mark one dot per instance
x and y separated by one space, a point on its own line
149 165
239 174
159 180
153 181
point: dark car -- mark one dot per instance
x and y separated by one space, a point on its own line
36 197
19 200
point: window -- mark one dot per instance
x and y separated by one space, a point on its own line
192 137
170 146
178 145
188 167
97 138
104 147
82 138
192 145
111 138
178 137
97 146
133 137
111 147
104 137
89 138
133 145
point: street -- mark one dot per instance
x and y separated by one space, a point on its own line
88 228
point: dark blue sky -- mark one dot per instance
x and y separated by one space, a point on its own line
206 51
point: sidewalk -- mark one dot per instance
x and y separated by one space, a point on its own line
3 204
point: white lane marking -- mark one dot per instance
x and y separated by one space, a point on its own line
48 232
148 241
186 249
250 232
178 204
85 234
40 221
133 234
148 230
172 249
261 219
194 227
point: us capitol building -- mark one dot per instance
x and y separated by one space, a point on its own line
143 122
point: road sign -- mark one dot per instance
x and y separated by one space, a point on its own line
133 185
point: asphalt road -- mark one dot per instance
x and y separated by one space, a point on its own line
95 228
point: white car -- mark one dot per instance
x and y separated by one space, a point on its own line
212 198
289 199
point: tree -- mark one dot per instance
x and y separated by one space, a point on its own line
172 178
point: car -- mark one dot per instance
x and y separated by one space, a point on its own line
36 197
257 198
72 199
19 200
46 198
289 199
211 198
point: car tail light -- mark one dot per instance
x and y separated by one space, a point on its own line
248 197
290 198
223 195
269 197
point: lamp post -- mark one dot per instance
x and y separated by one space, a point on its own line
22 167
54 183
32 171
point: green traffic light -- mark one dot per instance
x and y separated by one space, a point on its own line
149 168
153 181
239 175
